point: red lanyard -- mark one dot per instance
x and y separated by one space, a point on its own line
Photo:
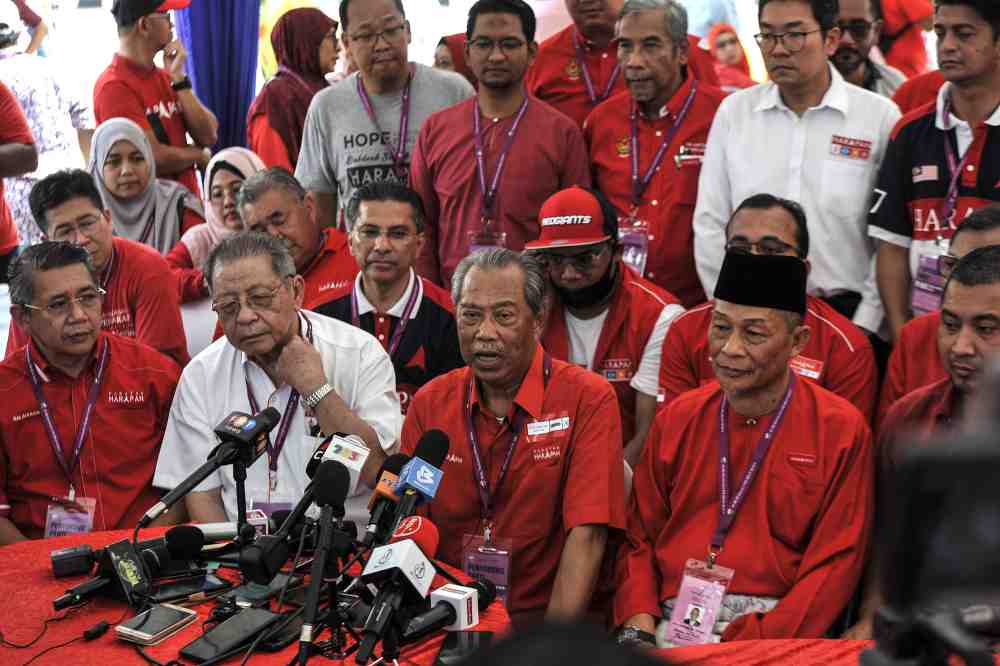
399 150
411 303
486 496
589 82
639 185
727 509
955 168
274 448
489 194
88 411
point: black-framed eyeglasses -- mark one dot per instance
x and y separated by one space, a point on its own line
89 300
260 299
371 38
581 262
859 29
770 246
946 264
484 45
793 40
371 234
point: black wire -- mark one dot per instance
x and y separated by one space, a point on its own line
151 660
45 627
54 647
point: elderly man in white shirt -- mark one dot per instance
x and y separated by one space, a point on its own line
323 375
808 136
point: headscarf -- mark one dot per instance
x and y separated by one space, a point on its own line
202 239
456 44
720 29
284 100
158 207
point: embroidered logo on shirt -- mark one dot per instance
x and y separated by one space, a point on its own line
616 369
856 149
925 174
25 415
127 398
807 367
802 459
543 453
572 71
452 458
163 109
327 286
624 147
118 321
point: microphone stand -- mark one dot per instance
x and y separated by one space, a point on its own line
243 458
310 627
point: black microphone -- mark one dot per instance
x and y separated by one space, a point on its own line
383 500
237 433
261 560
444 614
421 476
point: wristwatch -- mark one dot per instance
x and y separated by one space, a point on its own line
629 635
183 84
316 396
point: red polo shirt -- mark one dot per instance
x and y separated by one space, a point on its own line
838 356
548 155
127 89
668 203
119 453
141 303
13 129
918 91
915 362
631 318
902 18
568 477
915 417
330 271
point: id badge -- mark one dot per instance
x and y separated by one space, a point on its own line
698 602
488 560
633 234
68 516
258 519
927 287
486 240
272 502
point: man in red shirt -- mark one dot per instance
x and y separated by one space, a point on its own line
603 317
533 482
646 148
36 26
273 201
837 356
914 362
902 38
17 156
918 91
161 101
83 410
484 167
141 302
788 535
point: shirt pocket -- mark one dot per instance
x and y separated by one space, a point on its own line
795 494
847 188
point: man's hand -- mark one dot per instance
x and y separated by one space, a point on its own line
300 366
862 631
174 59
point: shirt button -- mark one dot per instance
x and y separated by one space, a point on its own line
650 275
655 202
381 336
971 167
659 133
652 237
381 320
604 55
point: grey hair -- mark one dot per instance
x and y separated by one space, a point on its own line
249 244
44 256
263 182
676 17
497 258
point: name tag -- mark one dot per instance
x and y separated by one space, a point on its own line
855 149
547 427
807 367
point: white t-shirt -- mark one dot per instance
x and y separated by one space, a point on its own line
583 337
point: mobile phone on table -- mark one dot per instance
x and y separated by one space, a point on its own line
192 589
238 630
255 594
460 645
155 624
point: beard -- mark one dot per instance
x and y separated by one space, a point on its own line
592 295
848 60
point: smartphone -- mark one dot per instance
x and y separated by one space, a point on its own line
255 594
193 589
460 645
156 624
238 630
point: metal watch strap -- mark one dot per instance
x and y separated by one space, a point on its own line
629 635
316 396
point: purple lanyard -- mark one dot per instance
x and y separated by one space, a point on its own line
88 411
399 150
639 186
411 303
955 168
589 82
727 509
489 195
486 497
274 448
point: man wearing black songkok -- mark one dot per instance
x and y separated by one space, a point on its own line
791 462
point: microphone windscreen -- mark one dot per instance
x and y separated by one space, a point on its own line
184 542
487 591
332 483
394 464
270 417
421 531
278 518
432 448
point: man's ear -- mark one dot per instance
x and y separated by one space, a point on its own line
20 315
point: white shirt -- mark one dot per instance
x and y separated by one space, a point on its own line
214 384
365 306
583 336
758 145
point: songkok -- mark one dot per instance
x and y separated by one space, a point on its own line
763 281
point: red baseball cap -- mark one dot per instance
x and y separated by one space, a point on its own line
570 218
127 12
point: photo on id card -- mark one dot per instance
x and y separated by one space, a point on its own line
697 605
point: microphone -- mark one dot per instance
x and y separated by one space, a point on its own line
238 432
453 608
178 544
383 499
349 450
420 478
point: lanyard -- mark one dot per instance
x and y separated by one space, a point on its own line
589 82
639 186
50 426
108 270
489 194
486 497
148 229
955 168
399 150
274 448
397 335
727 509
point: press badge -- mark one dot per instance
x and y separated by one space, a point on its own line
633 234
928 286
488 558
70 516
698 602
272 502
486 239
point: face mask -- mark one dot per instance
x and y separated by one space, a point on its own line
592 295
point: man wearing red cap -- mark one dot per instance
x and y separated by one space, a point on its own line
646 146
772 477
604 317
161 101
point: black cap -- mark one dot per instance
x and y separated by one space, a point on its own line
764 281
128 12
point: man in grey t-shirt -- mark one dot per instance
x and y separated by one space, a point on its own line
343 146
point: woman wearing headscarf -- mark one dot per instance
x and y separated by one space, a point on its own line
144 208
731 62
450 55
305 45
223 180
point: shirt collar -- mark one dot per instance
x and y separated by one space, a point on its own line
46 370
952 121
365 306
137 67
944 408
531 393
836 96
